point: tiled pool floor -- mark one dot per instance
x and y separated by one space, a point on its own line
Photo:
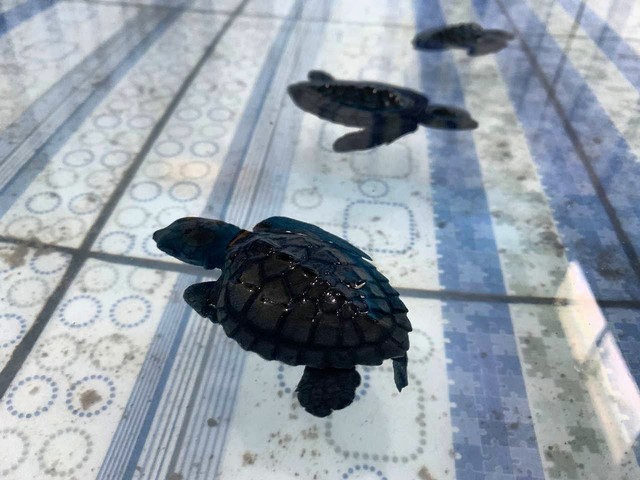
515 246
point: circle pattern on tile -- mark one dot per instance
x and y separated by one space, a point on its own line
65 451
130 311
91 395
384 456
48 263
363 471
12 329
12 454
57 352
112 351
98 278
45 202
31 396
117 242
27 292
80 311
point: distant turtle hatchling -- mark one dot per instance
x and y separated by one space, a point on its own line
468 36
293 292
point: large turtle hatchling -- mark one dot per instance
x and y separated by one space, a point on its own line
292 292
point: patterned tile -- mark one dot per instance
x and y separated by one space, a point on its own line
41 50
72 390
61 204
28 274
125 381
177 176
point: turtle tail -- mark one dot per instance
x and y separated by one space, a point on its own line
322 390
447 118
400 372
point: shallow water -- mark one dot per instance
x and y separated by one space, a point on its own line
514 246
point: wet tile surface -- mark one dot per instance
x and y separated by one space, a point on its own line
514 246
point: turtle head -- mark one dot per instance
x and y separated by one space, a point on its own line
306 95
198 241
447 118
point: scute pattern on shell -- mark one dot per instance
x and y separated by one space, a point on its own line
366 98
303 301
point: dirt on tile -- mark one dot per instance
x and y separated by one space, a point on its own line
424 474
89 398
249 458
17 257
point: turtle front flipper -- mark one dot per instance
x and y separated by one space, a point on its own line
400 372
373 137
323 390
319 76
202 297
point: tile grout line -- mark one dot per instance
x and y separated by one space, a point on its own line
23 349
442 295
574 29
621 235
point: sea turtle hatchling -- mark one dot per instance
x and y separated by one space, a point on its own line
472 37
383 112
293 292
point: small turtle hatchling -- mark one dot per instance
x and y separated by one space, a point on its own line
293 292
469 36
383 112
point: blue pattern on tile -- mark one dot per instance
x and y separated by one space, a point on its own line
40 158
581 219
129 437
607 150
22 12
468 260
623 56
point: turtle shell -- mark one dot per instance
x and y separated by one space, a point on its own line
377 98
361 104
304 301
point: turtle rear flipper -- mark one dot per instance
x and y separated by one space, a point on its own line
400 372
323 390
319 76
447 118
202 297
373 137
